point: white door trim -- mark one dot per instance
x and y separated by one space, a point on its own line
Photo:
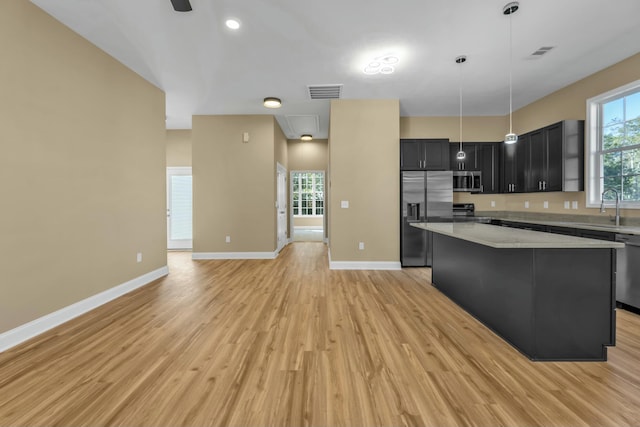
281 198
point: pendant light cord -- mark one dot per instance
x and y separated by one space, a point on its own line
510 75
460 86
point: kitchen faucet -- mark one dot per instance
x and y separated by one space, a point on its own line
617 204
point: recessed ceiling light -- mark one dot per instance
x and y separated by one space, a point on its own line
233 24
272 102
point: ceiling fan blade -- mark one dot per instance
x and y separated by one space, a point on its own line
181 5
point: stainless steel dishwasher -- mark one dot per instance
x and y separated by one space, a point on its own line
628 270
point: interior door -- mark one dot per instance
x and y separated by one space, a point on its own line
179 208
281 207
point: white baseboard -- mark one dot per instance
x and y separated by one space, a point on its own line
38 326
234 255
363 265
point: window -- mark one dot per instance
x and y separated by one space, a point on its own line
308 193
613 123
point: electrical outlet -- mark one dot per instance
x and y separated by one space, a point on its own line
566 204
361 246
139 257
545 204
493 203
344 204
227 239
526 204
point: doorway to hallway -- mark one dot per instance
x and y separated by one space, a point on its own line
179 208
307 205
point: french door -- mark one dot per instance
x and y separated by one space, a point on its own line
179 208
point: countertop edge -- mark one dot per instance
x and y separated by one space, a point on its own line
470 231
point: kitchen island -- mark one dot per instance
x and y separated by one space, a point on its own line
550 296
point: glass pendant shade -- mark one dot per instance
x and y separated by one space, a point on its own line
510 138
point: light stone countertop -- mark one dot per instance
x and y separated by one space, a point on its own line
583 226
504 237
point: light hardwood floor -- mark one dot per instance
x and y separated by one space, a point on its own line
287 342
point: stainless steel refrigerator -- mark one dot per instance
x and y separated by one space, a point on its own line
427 196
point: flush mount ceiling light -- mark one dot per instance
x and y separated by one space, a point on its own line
381 65
510 9
272 102
461 60
306 137
232 23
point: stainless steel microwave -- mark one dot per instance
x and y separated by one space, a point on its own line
470 181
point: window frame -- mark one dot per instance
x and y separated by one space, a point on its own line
593 140
324 205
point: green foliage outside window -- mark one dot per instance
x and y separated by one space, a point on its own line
620 147
308 193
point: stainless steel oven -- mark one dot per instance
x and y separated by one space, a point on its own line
470 181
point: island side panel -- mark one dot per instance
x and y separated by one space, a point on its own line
574 303
494 285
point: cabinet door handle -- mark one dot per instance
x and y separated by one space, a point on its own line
544 185
539 185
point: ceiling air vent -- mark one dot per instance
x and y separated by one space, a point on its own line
542 50
325 91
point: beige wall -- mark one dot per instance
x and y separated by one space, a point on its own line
305 221
365 170
308 155
280 145
234 184
571 101
179 148
82 168
474 129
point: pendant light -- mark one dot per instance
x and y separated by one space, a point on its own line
510 9
461 60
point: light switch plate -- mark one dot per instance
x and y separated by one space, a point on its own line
545 204
526 204
361 246
227 239
566 204
344 204
493 203
574 205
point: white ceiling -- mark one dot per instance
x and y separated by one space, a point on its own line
285 45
